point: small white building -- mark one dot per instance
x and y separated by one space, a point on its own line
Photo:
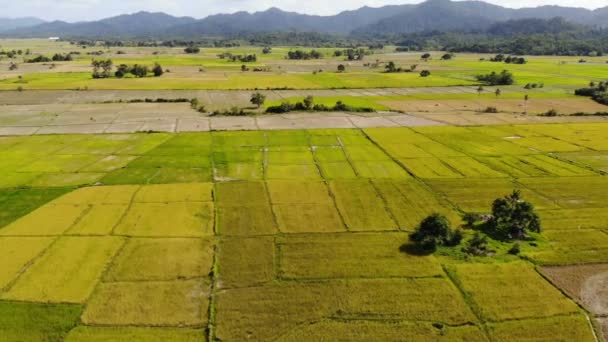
54 38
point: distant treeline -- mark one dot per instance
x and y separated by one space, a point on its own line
589 42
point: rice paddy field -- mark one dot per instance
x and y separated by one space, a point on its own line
288 235
128 221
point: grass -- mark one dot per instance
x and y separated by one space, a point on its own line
353 256
163 193
37 322
564 328
410 202
176 219
296 233
67 272
98 220
17 252
238 269
125 334
171 303
387 331
510 291
15 203
162 259
361 206
49 220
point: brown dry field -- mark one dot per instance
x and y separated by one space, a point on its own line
534 106
587 284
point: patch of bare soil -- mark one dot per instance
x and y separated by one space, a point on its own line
587 284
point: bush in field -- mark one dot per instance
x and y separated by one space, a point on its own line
435 231
139 70
514 217
13 66
447 56
491 110
157 70
308 102
425 73
192 49
550 113
478 246
341 68
503 78
425 57
258 99
102 68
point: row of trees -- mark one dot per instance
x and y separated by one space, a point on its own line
352 54
505 77
508 59
597 91
58 57
248 58
300 54
103 69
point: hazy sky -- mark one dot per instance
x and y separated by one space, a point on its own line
78 10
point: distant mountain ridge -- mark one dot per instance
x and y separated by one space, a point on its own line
7 24
440 15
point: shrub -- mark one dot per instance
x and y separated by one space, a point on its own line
503 78
435 231
471 218
157 70
515 249
425 73
192 49
492 110
477 245
550 113
514 217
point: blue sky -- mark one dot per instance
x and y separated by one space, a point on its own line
79 10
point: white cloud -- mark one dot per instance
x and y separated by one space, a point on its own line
79 10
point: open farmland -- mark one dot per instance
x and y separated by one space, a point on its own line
278 235
174 208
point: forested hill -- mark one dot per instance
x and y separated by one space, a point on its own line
431 15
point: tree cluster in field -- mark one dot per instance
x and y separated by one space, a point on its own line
504 77
250 58
300 54
508 59
192 49
534 85
150 100
103 69
352 54
14 53
58 57
597 91
512 219
138 71
391 67
308 105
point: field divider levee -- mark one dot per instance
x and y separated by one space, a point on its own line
413 175
126 212
212 310
332 195
468 300
13 281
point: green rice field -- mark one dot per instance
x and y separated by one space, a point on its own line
288 235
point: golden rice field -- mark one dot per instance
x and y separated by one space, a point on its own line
296 235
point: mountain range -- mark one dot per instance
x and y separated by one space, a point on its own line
440 15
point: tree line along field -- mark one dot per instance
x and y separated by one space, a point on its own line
293 235
206 70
